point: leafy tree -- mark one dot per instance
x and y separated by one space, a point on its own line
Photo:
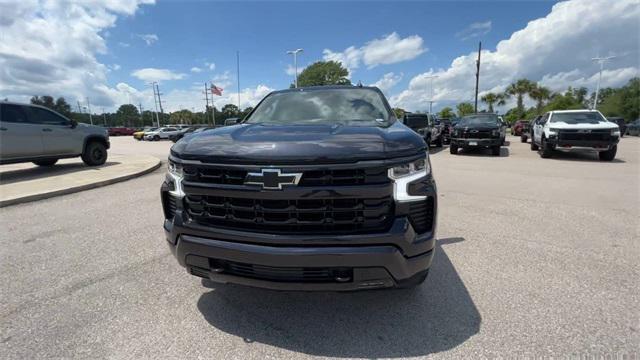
399 112
446 113
183 116
491 98
566 101
229 111
127 115
60 105
624 102
540 94
464 108
324 73
519 89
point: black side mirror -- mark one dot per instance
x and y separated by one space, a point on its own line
73 124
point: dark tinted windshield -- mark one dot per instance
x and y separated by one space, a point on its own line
345 106
479 120
578 117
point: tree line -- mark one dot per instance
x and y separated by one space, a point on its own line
623 101
129 115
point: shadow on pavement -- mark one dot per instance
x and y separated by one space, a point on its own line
504 152
588 156
436 316
38 172
435 150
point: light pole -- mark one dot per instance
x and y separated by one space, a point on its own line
295 62
600 60
431 96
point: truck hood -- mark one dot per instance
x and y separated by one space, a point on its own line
599 125
261 143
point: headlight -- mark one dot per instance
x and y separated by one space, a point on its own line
177 174
404 170
495 132
404 174
553 131
615 132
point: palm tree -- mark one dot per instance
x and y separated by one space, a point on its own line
520 88
540 94
491 98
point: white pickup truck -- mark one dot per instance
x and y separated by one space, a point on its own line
575 130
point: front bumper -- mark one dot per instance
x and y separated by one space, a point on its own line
293 261
460 142
595 145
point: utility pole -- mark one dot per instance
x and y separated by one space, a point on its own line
238 75
431 97
79 108
601 61
89 107
141 117
159 102
155 103
295 63
475 107
104 117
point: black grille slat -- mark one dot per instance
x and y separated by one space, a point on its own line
283 274
305 216
477 135
593 135
421 215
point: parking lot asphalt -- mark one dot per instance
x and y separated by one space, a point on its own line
535 257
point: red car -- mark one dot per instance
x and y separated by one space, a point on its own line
117 131
519 127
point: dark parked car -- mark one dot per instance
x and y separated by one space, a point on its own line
446 127
621 124
426 126
634 128
188 131
319 188
478 131
526 131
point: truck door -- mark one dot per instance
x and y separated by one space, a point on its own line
19 138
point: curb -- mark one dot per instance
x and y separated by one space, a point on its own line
75 189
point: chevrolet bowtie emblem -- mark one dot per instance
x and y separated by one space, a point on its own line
272 179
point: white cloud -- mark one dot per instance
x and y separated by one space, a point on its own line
149 39
474 30
210 65
389 49
222 80
196 69
388 81
124 44
290 70
192 98
153 74
555 50
50 47
115 67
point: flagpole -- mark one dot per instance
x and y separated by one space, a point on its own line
238 74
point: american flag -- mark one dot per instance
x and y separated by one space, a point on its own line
216 90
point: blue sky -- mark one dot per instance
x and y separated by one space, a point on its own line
205 32
106 53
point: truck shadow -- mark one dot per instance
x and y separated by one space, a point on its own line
437 316
39 172
504 152
581 156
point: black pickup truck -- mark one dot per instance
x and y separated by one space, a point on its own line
479 131
426 126
317 188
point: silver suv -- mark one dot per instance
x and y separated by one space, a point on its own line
42 136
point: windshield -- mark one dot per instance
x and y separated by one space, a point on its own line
344 106
479 120
590 117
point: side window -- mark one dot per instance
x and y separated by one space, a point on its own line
14 114
169 129
45 117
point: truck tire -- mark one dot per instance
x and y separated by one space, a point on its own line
495 150
534 146
48 162
523 138
609 154
428 141
95 153
453 149
156 138
545 150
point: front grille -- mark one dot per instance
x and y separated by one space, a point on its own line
284 274
592 135
343 177
309 216
169 205
477 135
421 215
